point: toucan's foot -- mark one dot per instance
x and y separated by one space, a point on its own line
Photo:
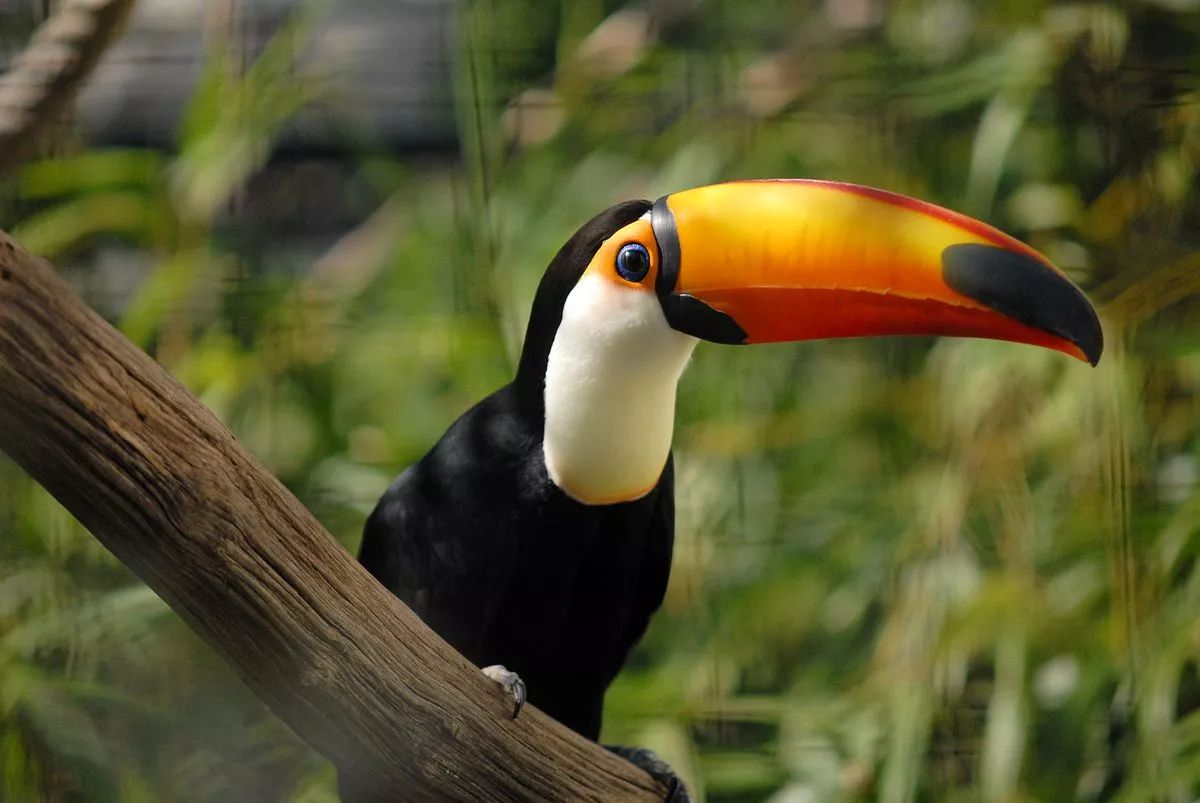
659 770
511 682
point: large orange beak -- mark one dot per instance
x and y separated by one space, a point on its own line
768 261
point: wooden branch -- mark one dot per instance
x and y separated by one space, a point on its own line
165 486
46 75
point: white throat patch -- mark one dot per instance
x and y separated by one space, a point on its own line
610 392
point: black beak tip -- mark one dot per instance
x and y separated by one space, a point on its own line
1020 287
1092 344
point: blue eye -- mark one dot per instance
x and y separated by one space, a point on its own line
633 262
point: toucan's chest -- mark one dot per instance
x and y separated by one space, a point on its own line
573 573
578 597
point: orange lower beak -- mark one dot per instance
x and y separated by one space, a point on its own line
769 261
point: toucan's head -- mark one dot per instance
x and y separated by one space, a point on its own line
620 309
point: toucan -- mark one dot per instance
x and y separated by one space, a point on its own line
536 535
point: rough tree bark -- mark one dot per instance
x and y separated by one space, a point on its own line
165 486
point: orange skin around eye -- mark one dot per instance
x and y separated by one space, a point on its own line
604 263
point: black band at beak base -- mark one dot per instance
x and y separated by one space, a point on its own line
685 313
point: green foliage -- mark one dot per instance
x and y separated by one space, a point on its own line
905 570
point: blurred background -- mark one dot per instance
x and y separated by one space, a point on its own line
905 569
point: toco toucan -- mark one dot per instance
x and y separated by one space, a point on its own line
536 536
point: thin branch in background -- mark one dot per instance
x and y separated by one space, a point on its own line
45 77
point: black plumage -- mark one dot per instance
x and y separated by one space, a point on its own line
507 568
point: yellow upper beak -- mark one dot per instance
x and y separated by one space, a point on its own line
764 261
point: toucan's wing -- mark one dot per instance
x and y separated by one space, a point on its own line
417 550
438 538
397 548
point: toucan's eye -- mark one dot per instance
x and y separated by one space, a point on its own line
633 262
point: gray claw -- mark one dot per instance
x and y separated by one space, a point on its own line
519 697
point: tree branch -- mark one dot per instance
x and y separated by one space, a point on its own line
165 486
46 75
